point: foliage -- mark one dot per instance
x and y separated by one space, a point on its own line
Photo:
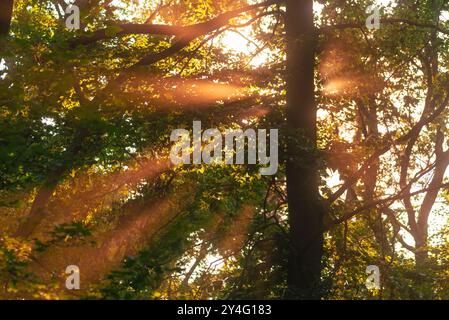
85 137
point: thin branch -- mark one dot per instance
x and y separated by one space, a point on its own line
384 201
417 128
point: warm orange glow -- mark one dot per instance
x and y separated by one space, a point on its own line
185 93
136 227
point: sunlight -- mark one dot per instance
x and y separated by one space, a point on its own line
241 42
235 42
190 93
135 227
134 141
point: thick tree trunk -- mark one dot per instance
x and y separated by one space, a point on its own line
305 212
5 16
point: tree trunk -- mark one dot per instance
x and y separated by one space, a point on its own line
305 212
38 209
5 16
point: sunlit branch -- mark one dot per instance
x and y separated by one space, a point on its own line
189 34
186 32
127 29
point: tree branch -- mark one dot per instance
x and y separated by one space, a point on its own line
374 203
417 128
127 29
186 32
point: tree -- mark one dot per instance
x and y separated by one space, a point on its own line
85 121
305 211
